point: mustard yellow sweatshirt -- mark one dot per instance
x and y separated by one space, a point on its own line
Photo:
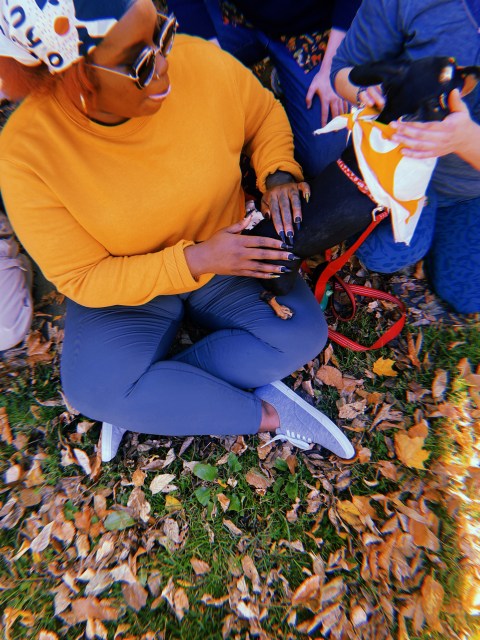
107 212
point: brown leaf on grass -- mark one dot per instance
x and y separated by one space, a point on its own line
91 607
5 431
180 603
309 594
383 367
224 501
38 349
138 477
35 477
234 530
351 410
410 451
422 536
41 542
200 567
413 351
13 474
432 600
95 629
251 572
47 635
350 514
161 483
419 430
330 376
83 460
139 505
439 384
256 479
210 601
388 469
135 595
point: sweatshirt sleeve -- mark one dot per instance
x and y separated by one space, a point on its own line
268 135
375 34
343 13
78 265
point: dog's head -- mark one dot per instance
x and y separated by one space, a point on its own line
419 89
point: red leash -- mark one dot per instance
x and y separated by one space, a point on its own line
333 266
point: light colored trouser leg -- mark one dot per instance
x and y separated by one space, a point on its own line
16 308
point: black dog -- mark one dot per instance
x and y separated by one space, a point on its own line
337 210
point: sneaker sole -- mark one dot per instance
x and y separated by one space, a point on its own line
106 442
343 441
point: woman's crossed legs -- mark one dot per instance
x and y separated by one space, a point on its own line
114 365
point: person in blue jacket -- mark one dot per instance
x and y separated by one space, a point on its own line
448 232
301 39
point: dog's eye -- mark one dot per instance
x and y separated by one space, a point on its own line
446 74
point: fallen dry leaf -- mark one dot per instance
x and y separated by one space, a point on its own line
256 479
383 367
232 528
200 567
432 600
5 431
161 483
439 384
410 451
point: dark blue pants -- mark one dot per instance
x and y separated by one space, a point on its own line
314 153
448 235
115 366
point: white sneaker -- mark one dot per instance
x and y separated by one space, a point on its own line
301 424
111 438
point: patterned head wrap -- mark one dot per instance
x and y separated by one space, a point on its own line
56 32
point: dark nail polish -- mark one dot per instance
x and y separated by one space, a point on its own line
285 270
290 236
284 246
297 224
298 220
282 236
292 256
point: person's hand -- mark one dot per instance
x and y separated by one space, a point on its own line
231 254
371 97
439 138
329 100
281 202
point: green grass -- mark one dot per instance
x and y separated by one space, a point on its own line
28 584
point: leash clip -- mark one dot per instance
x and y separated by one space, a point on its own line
378 211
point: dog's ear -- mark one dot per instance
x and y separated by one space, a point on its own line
470 77
370 73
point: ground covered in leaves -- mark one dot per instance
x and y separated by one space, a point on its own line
241 538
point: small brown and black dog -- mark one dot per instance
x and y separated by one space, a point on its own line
416 90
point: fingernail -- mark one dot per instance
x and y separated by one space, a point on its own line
298 222
306 196
282 236
284 246
285 270
274 275
292 256
290 236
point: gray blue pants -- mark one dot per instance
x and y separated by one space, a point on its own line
115 366
448 236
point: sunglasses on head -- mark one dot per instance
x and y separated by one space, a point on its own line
143 69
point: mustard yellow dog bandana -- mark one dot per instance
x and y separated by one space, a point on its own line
395 181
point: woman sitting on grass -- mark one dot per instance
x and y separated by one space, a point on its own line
120 174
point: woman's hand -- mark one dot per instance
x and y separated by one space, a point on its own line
434 139
231 254
281 202
329 101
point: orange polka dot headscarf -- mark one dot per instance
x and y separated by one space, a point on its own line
56 32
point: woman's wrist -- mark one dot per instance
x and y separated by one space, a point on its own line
194 257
